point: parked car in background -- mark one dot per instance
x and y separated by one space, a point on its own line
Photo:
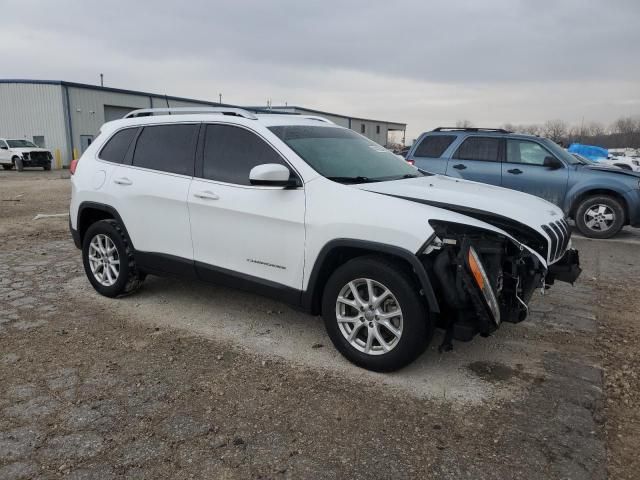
602 156
316 215
600 199
20 153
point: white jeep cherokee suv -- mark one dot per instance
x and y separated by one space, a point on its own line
315 215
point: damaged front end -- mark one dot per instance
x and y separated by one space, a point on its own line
482 278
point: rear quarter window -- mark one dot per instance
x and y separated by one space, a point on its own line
117 146
434 145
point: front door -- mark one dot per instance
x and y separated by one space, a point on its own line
150 193
251 234
477 159
524 170
5 156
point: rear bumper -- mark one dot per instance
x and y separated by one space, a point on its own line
567 269
75 235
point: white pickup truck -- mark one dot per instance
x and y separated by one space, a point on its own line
20 153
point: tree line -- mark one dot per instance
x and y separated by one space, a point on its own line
624 132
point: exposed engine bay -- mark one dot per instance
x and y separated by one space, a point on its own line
483 279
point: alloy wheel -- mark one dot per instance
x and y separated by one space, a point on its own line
369 316
104 260
599 217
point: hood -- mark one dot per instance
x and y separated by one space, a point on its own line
523 217
611 169
471 198
29 149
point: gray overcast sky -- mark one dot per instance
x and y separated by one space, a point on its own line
424 63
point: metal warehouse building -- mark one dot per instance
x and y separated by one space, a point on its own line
65 116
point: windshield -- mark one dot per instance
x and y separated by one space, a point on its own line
20 144
343 155
561 152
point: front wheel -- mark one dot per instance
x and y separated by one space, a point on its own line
18 163
374 315
47 167
600 216
108 260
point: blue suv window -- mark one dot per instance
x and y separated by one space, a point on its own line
479 148
524 151
434 145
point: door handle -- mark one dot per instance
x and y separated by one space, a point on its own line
206 195
123 181
515 171
460 166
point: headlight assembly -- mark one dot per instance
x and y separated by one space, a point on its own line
480 276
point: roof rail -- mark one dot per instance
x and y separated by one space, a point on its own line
318 118
145 112
470 129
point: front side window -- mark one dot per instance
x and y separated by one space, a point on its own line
231 152
168 148
479 148
21 144
342 155
3 144
524 151
118 145
434 146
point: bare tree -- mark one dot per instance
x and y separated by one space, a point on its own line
555 130
595 129
464 124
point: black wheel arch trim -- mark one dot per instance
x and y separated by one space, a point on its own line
101 207
310 296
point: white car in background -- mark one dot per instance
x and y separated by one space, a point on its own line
624 162
21 153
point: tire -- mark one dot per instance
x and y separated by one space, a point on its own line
47 167
600 216
18 163
416 328
128 279
7 167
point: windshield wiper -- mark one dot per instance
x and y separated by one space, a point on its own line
358 179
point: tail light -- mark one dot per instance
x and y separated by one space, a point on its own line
72 166
411 161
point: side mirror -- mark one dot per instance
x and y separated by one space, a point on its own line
4 148
272 175
552 163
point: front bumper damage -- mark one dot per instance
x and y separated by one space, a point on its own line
483 279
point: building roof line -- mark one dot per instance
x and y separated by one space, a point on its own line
184 99
320 112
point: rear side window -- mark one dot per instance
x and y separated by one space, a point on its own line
117 146
479 148
231 152
168 148
434 145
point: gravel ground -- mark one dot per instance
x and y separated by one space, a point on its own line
186 380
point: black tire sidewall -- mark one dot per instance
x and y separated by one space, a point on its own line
612 203
417 327
106 227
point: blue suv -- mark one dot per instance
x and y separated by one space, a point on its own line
601 200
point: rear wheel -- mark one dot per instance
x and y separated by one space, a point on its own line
7 167
600 216
374 314
108 260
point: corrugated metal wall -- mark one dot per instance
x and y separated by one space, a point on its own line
28 110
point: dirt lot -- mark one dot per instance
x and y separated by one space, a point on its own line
185 380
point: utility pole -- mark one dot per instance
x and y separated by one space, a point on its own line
219 98
102 79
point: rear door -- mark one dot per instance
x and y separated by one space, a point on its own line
150 193
478 159
524 170
430 155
